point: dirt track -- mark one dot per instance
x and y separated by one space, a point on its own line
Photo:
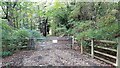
51 54
58 55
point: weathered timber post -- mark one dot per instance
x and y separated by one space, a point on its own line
118 53
81 46
92 48
72 41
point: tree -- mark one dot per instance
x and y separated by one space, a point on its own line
8 8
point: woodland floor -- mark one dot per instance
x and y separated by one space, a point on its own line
51 54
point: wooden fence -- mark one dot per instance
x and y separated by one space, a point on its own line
94 52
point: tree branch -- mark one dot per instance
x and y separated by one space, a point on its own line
4 10
15 3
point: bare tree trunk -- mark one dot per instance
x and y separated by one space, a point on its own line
31 24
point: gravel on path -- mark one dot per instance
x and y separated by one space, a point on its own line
51 54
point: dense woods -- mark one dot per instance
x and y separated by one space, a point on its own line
90 20
21 22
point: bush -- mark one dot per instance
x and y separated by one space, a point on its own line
61 31
7 42
6 31
21 34
15 39
21 37
35 34
5 53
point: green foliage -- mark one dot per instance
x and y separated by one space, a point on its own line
15 39
61 31
6 37
104 25
21 34
86 43
97 20
6 30
5 53
35 34
21 37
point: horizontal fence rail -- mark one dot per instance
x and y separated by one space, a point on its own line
95 51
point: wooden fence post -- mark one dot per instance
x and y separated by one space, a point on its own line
92 48
72 41
118 53
81 46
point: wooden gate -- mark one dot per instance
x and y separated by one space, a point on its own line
111 55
